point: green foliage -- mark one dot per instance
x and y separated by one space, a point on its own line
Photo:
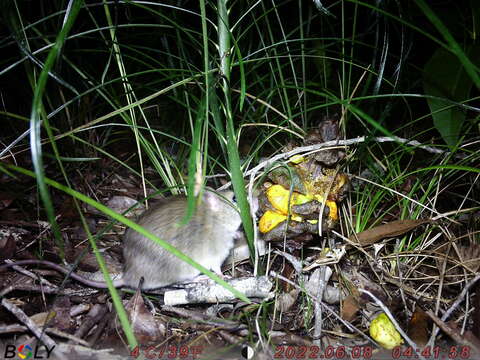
445 78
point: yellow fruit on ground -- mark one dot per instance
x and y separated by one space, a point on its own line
384 333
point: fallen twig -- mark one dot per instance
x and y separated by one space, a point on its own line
20 315
210 292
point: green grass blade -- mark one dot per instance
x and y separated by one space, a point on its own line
232 148
35 119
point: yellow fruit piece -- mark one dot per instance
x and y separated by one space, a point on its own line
313 221
383 332
269 220
297 159
300 199
332 205
296 218
278 197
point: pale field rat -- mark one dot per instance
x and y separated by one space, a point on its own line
207 238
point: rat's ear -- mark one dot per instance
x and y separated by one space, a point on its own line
218 201
212 201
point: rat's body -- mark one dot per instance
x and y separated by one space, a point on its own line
207 238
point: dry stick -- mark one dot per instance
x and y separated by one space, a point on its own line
454 305
443 272
96 313
400 276
257 327
20 315
46 289
67 336
37 288
255 227
454 334
347 142
337 143
456 212
324 276
21 223
460 298
15 328
395 323
30 274
207 292
325 306
204 319
231 339
412 291
92 340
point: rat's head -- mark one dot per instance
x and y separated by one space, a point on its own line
222 206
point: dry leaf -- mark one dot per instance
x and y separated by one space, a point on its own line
146 328
349 308
391 229
418 327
